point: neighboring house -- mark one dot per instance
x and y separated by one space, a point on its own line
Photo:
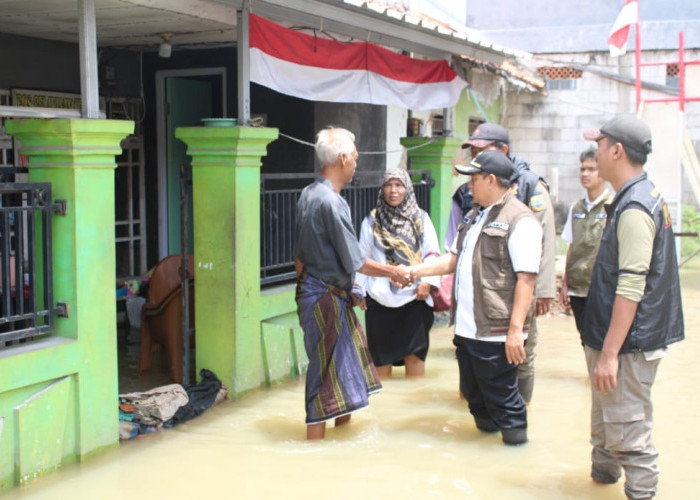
585 85
156 79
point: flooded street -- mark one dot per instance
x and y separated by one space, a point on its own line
416 440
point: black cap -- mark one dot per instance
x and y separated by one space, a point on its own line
629 130
489 161
486 134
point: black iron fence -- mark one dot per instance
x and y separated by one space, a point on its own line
26 271
278 207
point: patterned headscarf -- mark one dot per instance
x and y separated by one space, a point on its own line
398 230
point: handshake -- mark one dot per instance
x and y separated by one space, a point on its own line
403 276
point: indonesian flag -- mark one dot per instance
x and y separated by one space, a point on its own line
318 69
617 41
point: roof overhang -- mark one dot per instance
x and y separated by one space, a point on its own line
139 23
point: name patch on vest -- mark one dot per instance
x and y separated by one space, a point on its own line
578 216
537 203
601 215
499 225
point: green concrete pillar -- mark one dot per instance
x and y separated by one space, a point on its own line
436 157
77 156
226 204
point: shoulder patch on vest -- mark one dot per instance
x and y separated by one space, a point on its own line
537 203
667 215
499 225
655 192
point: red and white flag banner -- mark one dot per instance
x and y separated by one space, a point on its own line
629 15
318 69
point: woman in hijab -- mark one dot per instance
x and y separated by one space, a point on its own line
398 320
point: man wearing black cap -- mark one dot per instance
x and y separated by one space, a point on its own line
533 191
495 258
633 312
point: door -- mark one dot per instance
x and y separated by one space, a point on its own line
183 98
188 100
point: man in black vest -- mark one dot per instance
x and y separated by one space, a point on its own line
633 310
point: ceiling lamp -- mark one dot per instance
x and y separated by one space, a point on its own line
165 49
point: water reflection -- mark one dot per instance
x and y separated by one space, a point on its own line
415 441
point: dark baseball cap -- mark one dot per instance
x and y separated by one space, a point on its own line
629 130
490 161
485 135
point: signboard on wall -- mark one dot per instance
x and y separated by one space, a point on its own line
29 98
48 99
45 99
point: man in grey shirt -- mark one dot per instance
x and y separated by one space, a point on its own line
341 375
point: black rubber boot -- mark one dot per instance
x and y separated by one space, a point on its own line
485 424
514 437
526 386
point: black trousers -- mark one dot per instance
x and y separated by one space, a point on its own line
578 306
490 383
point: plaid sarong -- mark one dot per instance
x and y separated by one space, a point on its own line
341 375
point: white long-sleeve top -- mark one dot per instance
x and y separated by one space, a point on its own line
379 288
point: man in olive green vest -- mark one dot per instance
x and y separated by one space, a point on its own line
582 231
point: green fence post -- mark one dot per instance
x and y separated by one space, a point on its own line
436 155
226 204
76 367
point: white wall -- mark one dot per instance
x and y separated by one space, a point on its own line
396 122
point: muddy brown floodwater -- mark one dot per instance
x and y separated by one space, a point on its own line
416 440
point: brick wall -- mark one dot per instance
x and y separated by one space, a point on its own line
546 130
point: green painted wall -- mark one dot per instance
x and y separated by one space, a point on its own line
467 106
58 395
436 157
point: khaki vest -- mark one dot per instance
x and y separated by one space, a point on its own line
586 228
492 269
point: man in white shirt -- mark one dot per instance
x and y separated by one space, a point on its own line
496 258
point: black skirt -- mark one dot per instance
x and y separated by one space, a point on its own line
394 333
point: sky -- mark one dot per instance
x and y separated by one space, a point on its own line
580 25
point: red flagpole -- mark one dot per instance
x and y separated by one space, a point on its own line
638 59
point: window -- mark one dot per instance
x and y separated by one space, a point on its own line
560 78
130 208
474 122
672 75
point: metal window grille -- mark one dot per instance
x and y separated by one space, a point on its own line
560 77
672 71
6 151
130 208
26 271
278 207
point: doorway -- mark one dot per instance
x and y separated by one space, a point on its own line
183 97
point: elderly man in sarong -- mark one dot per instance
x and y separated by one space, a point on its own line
341 375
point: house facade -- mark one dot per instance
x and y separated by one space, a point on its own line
107 121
